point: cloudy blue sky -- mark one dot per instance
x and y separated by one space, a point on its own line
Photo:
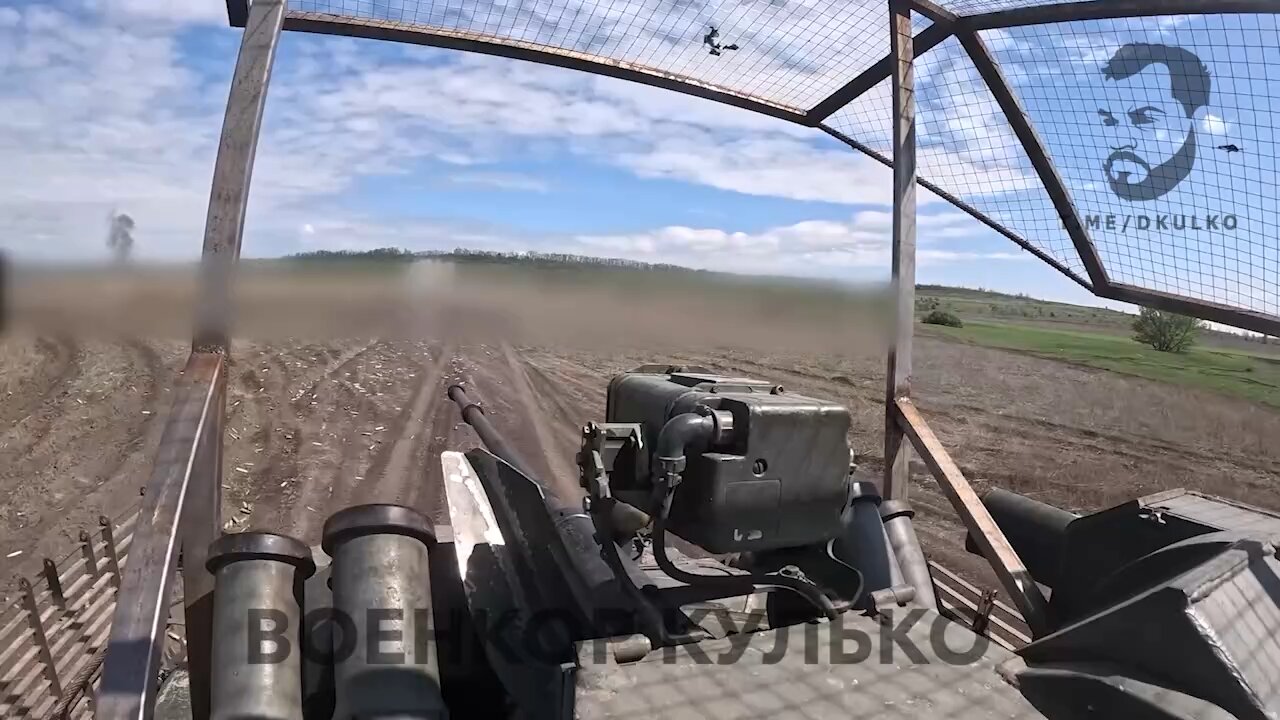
117 105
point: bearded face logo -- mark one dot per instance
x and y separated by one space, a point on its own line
1149 118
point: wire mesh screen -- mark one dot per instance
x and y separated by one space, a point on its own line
792 54
977 7
966 147
1163 131
1160 127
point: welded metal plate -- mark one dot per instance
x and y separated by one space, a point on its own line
1216 512
746 676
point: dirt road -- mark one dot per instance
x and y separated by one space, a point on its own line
314 427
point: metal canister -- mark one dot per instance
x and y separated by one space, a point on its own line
381 585
257 656
864 545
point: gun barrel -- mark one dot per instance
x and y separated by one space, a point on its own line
575 527
1036 530
474 416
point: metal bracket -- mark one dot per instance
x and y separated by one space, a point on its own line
982 615
50 571
1004 560
932 10
113 558
38 634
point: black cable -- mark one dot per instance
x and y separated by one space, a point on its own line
749 582
650 617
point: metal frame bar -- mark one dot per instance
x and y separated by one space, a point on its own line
897 455
902 419
328 24
110 551
90 559
1010 570
232 172
1036 152
201 520
1203 309
201 524
1110 9
132 661
44 651
928 38
933 11
966 207
182 503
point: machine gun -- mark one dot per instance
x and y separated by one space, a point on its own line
795 589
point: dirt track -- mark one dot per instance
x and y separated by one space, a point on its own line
313 428
310 429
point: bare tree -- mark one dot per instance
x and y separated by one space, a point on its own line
120 236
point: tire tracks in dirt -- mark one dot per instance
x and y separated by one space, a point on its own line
396 474
563 473
585 390
27 414
136 433
565 420
277 490
74 469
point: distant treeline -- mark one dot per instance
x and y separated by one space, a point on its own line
485 256
387 253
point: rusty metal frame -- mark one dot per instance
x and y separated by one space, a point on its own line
181 513
232 172
933 11
1004 560
346 26
897 453
925 41
973 212
1205 309
902 420
44 653
132 661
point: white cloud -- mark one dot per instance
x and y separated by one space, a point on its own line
1214 125
105 114
814 247
774 166
99 116
164 11
500 181
857 247
481 104
1172 22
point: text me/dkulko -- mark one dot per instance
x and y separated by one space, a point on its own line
1122 223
